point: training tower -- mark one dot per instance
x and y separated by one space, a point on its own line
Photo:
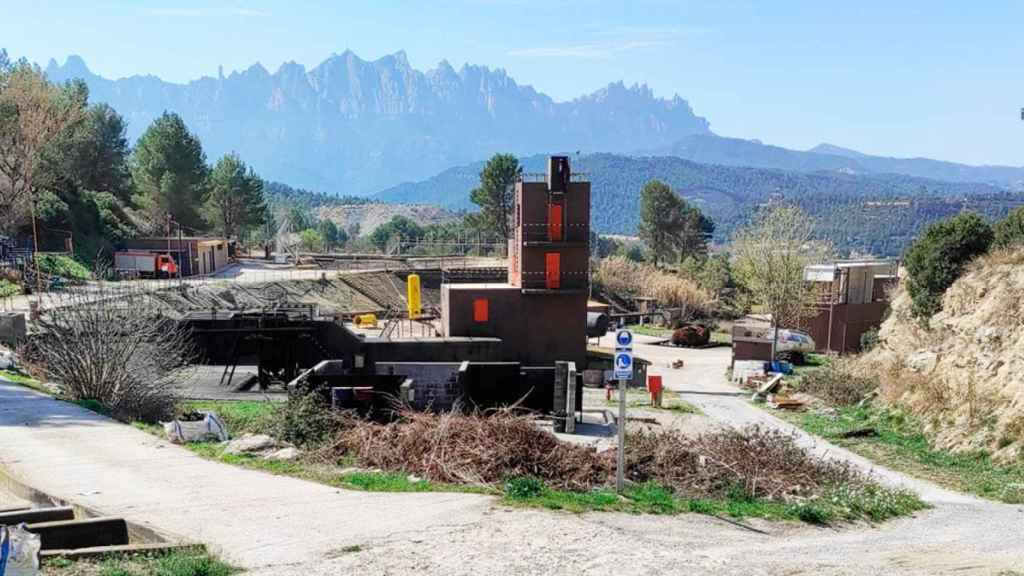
541 313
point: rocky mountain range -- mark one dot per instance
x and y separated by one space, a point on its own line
352 126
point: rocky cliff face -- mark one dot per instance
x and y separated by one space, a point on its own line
963 374
351 126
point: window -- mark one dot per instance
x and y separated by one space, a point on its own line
480 311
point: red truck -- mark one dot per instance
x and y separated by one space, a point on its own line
145 264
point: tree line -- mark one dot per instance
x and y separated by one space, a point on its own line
67 171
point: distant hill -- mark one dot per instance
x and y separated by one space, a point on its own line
865 213
351 126
712 149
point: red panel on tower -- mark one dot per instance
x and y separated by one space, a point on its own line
555 222
480 310
552 270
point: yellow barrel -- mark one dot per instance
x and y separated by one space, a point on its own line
413 289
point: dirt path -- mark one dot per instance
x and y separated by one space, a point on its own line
702 381
282 526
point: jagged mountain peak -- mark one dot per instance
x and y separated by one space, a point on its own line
353 126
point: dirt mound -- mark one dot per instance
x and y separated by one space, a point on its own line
963 373
369 216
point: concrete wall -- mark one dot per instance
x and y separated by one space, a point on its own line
436 384
535 329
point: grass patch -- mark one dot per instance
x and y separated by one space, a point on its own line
8 289
650 330
839 504
240 416
19 378
333 475
670 401
897 441
178 563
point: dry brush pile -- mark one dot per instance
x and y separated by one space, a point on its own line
490 449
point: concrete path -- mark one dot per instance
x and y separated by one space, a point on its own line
252 518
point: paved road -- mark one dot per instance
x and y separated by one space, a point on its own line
283 527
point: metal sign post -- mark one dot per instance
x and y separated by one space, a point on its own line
623 373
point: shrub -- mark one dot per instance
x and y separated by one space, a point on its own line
305 419
938 257
523 487
112 349
63 266
869 339
8 288
1009 231
837 385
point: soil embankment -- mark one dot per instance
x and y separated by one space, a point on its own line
963 372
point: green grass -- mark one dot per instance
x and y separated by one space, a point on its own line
240 416
900 444
334 475
190 562
650 330
669 401
841 504
17 377
8 288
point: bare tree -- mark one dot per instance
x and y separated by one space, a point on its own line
33 113
771 255
107 345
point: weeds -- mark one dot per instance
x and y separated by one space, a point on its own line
899 442
837 385
178 563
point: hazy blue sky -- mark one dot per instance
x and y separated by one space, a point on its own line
937 79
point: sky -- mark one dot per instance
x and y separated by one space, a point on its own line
930 79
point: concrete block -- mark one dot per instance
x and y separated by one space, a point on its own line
12 328
86 533
36 515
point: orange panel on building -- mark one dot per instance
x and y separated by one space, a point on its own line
555 222
552 270
480 311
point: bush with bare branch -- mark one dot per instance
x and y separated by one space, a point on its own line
102 345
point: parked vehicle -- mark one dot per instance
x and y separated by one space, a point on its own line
145 264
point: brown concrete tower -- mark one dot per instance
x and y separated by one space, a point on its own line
541 313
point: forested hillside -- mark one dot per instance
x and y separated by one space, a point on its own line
713 149
863 213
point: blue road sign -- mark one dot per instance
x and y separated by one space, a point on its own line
623 365
623 339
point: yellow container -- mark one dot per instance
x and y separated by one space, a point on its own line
413 289
366 320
